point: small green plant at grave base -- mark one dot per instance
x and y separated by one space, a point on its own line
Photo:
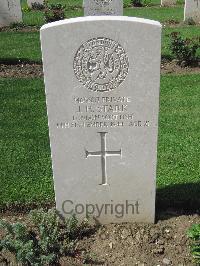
17 25
45 240
54 12
180 2
37 6
137 3
125 5
190 21
146 3
172 21
185 50
26 9
194 235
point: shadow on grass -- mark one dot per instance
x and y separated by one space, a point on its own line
166 58
185 197
16 61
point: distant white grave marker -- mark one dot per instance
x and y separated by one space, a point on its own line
168 2
30 2
102 87
192 10
10 12
103 7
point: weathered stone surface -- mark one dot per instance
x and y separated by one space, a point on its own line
10 12
102 89
30 2
103 7
192 10
168 2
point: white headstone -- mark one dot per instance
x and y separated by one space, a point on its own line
168 2
10 12
30 2
103 7
102 89
192 10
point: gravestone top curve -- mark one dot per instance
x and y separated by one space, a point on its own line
100 18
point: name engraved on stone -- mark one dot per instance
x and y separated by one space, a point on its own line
107 12
103 154
101 64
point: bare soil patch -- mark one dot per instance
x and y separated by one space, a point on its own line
163 243
21 70
34 70
173 68
20 29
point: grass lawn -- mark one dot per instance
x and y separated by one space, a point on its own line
20 45
26 45
179 146
153 11
25 166
163 14
186 32
80 2
25 162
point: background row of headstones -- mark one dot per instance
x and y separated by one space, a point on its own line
10 10
115 7
30 2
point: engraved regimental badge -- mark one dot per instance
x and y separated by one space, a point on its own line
101 64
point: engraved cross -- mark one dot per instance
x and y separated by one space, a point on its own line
103 153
